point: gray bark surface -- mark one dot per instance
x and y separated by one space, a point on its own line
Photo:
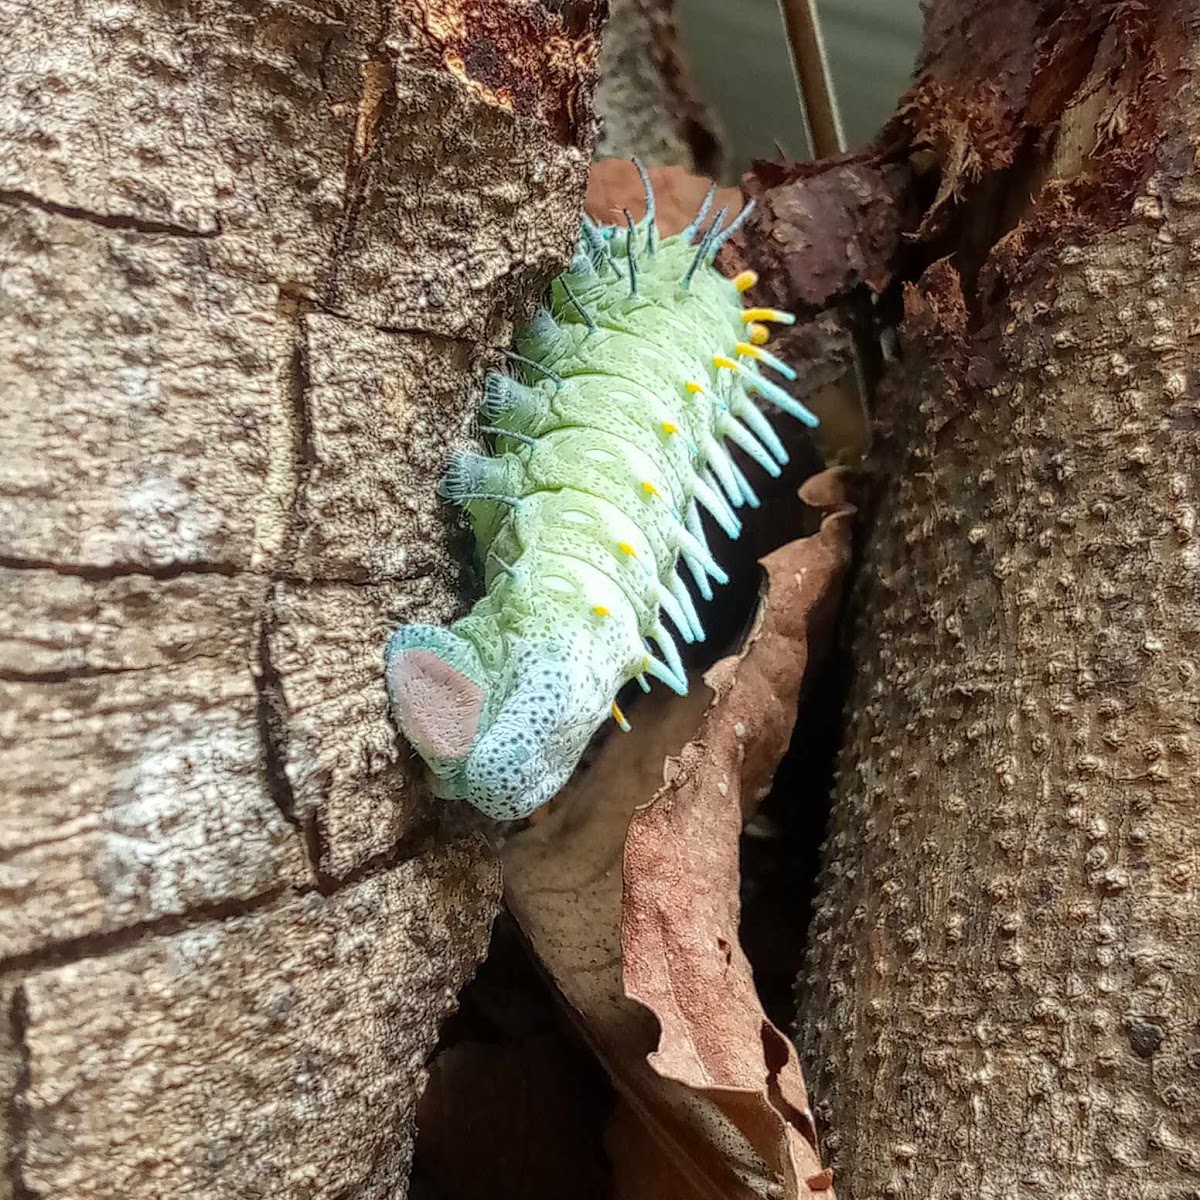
1002 995
253 259
645 96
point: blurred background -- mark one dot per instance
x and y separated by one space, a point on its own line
739 58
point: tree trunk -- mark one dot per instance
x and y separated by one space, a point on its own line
645 96
1003 989
253 257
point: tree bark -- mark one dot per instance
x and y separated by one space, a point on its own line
1003 989
253 258
647 101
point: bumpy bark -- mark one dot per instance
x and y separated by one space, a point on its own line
1003 990
253 258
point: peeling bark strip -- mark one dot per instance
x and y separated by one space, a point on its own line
252 258
1003 989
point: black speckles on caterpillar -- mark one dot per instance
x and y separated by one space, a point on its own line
610 437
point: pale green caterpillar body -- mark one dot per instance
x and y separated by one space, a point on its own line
633 379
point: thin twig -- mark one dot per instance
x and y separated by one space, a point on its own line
813 78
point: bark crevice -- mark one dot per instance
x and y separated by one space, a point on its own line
103 573
100 945
273 729
17 1116
16 198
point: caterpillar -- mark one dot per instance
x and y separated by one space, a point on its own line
611 434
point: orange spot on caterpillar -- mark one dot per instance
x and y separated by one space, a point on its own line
745 280
619 717
758 334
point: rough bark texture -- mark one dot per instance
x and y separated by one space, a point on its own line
645 96
1003 991
253 259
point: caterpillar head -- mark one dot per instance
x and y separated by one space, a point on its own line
506 742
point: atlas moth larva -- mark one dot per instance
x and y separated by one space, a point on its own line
610 437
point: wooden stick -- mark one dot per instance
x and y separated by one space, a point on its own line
811 66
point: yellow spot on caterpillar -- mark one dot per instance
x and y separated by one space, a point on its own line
670 427
626 548
748 351
649 488
601 610
619 717
767 314
759 334
694 387
719 361
745 280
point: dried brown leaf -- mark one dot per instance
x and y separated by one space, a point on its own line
680 948
614 185
726 1104
640 1170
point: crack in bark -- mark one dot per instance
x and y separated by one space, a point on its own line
18 1018
94 573
364 137
307 300
103 574
16 198
70 674
303 450
99 945
271 713
273 731
414 843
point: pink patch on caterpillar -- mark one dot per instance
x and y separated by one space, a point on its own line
438 706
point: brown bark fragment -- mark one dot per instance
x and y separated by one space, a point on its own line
820 237
823 233
532 57
994 80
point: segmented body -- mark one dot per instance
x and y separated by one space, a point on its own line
610 438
